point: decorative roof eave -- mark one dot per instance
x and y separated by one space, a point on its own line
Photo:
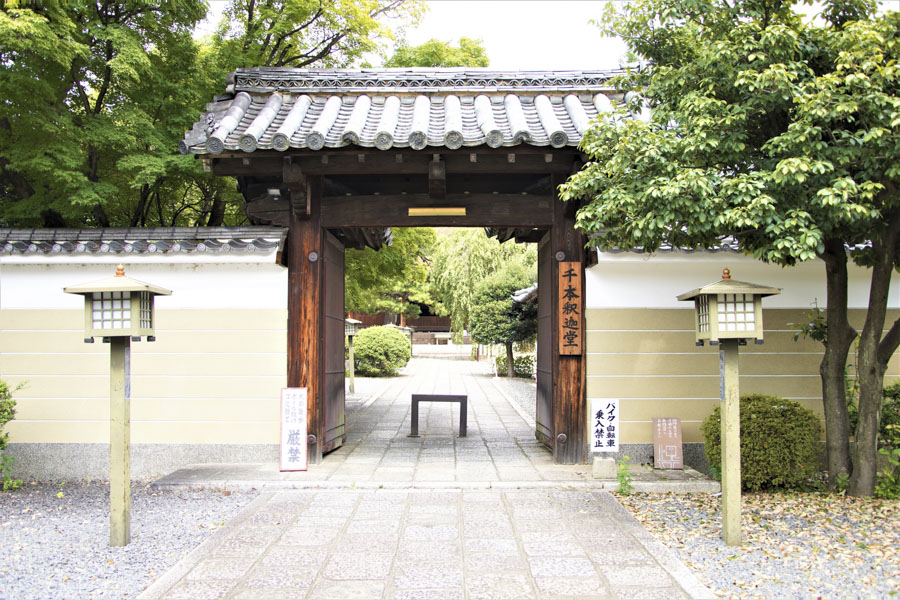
415 80
142 241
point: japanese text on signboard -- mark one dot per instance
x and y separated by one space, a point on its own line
570 308
293 429
604 425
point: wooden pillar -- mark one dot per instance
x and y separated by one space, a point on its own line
305 257
569 398
730 442
119 440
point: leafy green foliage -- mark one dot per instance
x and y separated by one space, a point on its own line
624 476
888 484
523 365
779 442
461 260
392 279
495 317
435 53
380 351
7 414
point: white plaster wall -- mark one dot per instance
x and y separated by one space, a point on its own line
208 281
629 280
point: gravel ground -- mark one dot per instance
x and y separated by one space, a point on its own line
794 545
54 538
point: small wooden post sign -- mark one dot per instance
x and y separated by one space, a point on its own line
571 319
667 449
294 455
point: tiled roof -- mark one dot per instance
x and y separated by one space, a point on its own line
168 240
284 108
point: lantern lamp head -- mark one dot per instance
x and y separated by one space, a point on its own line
118 306
351 327
728 309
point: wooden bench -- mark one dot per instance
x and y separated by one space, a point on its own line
463 409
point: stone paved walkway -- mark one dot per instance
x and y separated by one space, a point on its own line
430 544
436 517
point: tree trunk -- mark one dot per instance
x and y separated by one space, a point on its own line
872 358
217 212
510 363
840 336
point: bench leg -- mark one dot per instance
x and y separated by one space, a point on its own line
463 416
414 421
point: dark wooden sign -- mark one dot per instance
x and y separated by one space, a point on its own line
571 318
667 449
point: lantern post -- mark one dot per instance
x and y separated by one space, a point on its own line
119 310
728 313
351 326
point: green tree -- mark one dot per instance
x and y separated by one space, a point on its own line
462 259
392 279
98 94
496 318
301 33
435 53
71 75
775 130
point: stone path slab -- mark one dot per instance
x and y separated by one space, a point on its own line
430 543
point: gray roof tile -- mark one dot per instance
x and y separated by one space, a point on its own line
135 240
283 108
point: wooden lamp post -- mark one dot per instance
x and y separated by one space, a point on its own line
728 313
351 327
120 310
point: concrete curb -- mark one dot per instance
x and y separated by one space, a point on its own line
666 559
659 487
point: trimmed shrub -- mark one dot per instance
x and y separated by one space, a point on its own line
523 365
380 351
779 442
7 411
890 416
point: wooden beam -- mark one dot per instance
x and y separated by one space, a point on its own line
437 178
482 210
305 244
356 162
569 397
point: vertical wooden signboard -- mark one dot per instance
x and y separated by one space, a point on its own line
294 453
571 318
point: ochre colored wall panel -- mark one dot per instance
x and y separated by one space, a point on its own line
54 409
222 366
205 432
703 364
648 359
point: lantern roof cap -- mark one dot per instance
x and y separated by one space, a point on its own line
730 286
352 321
117 283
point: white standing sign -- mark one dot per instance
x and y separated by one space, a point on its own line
294 455
604 424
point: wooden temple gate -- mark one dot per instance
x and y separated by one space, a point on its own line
363 152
